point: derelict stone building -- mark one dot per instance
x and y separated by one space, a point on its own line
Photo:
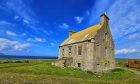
91 49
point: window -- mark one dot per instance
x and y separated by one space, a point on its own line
69 53
105 36
79 50
106 51
64 63
70 50
63 52
79 65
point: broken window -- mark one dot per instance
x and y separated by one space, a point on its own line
79 50
70 50
79 65
64 63
105 36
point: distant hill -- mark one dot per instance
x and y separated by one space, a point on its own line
27 57
2 54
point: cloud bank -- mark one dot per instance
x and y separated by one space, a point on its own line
9 45
126 51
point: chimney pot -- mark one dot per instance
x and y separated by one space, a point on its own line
104 18
71 32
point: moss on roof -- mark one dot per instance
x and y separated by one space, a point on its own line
82 35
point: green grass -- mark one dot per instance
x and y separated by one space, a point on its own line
42 72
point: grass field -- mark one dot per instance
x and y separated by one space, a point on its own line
42 72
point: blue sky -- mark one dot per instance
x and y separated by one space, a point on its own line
38 27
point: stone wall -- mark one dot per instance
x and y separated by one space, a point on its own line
104 50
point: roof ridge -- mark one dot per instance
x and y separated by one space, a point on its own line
86 29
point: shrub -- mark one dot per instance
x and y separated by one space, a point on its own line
90 72
6 61
26 61
18 61
118 70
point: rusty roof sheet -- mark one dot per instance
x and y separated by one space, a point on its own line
82 35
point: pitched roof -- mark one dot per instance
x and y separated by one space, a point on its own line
82 35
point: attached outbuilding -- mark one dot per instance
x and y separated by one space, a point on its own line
134 63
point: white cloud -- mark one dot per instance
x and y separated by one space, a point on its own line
25 21
10 33
78 19
16 17
124 20
87 12
7 45
64 26
52 43
124 17
98 8
47 32
36 39
5 23
22 11
20 47
23 34
133 36
125 51
23 14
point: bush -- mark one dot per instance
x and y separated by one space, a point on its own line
26 61
18 61
14 61
6 61
118 70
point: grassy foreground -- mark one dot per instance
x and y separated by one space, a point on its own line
42 72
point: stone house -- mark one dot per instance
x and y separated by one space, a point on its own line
91 49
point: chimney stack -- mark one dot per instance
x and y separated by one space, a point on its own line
104 18
71 32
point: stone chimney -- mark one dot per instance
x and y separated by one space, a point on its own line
71 32
104 18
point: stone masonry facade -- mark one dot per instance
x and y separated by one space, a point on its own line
95 54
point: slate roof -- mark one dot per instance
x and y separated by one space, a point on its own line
83 35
